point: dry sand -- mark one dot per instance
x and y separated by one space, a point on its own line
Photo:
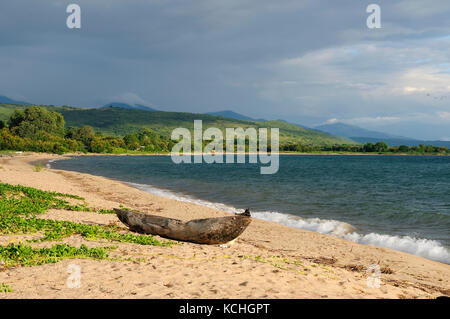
259 264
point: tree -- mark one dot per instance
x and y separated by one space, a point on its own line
381 147
99 145
85 134
403 148
34 120
369 147
70 132
132 141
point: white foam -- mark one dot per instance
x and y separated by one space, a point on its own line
48 165
426 248
324 226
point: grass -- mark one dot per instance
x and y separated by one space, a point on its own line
21 200
19 210
59 229
106 211
5 288
19 206
25 255
38 167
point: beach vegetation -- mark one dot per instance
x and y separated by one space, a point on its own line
20 205
22 200
5 288
106 211
25 255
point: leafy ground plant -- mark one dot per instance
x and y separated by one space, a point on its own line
22 200
5 288
106 211
25 255
59 229
19 206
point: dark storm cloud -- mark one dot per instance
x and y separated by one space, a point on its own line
307 61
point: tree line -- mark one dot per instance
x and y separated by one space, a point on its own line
380 147
37 129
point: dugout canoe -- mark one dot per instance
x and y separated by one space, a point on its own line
217 230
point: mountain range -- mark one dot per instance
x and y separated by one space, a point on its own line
347 130
130 106
7 100
117 118
234 115
362 135
119 121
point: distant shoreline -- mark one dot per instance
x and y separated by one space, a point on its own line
16 153
280 153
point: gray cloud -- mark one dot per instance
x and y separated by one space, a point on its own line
304 61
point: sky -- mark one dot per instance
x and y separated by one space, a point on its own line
309 62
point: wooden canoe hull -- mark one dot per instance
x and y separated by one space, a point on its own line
218 230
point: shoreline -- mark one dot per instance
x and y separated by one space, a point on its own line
411 276
340 229
280 153
14 153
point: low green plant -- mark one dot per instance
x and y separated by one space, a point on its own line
25 255
19 206
106 211
5 288
22 200
38 167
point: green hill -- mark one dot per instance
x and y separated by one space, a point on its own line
117 121
6 110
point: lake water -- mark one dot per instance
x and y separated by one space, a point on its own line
398 202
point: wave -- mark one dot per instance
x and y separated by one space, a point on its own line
49 165
430 249
427 248
324 226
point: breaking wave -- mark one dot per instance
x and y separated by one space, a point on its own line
430 249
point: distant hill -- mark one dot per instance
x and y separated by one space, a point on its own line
129 106
7 100
119 121
234 115
349 131
7 109
363 136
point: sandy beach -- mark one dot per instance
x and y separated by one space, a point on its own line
267 261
